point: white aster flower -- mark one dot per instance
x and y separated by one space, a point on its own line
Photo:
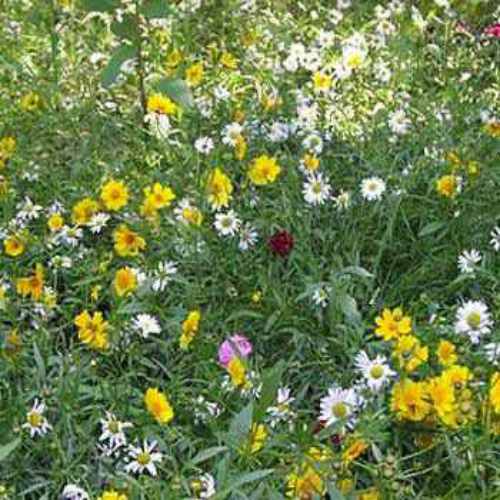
227 224
248 237
205 486
98 222
143 459
492 352
36 423
398 122
205 410
468 260
339 405
316 190
321 295
145 324
163 275
231 133
376 372
74 492
112 430
313 143
495 238
372 188
473 320
204 145
282 411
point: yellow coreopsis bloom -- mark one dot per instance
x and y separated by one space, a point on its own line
219 189
84 210
30 101
55 222
494 394
229 61
409 400
448 185
493 128
357 448
194 74
240 147
125 281
14 246
305 484
158 405
310 162
322 81
113 495
442 395
446 353
457 375
32 285
392 324
264 170
7 149
127 242
159 196
92 330
174 58
114 195
410 353
190 328
158 103
257 438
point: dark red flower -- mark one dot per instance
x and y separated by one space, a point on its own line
281 243
493 30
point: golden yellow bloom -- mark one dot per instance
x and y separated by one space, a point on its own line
127 242
237 372
305 484
311 163
114 195
158 406
219 189
13 246
240 147
55 222
257 439
392 324
229 61
448 185
322 81
194 74
32 285
357 448
458 376
442 395
174 58
92 330
409 400
192 215
493 129
446 353
13 344
410 353
190 328
7 149
264 170
113 495
370 494
159 196
83 211
495 392
30 101
125 281
319 454
158 103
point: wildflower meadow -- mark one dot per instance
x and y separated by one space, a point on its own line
249 249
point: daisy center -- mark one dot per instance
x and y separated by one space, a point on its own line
113 427
340 410
474 320
143 458
377 371
35 419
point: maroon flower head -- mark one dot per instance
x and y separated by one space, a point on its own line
493 30
281 243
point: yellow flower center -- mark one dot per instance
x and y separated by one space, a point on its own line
474 320
114 428
143 458
377 371
35 419
339 410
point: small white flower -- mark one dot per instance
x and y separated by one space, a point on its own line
207 486
98 222
495 238
159 124
231 133
112 430
248 237
145 324
163 276
205 410
36 423
143 459
282 411
492 351
372 188
227 224
321 295
468 260
343 200
399 123
313 143
339 405
204 145
376 372
316 190
473 320
74 492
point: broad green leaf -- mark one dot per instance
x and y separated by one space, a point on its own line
271 381
431 228
177 90
204 455
112 70
99 5
8 448
349 307
157 9
357 271
240 426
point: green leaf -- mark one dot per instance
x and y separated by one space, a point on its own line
349 307
127 28
204 455
357 271
7 449
240 426
112 70
334 493
177 90
249 477
156 9
271 381
99 5
431 228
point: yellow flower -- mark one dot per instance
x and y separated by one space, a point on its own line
219 189
311 163
409 400
357 448
55 222
92 330
229 61
237 372
495 392
370 494
493 128
446 353
442 395
458 376
240 147
264 170
256 297
158 103
174 58
392 324
13 344
7 149
194 74
125 281
83 211
305 484
448 185
322 81
14 246
30 101
410 353
114 195
258 436
158 406
190 328
127 242
192 215
113 495
32 285
159 196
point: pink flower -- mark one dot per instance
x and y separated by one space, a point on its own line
493 30
237 345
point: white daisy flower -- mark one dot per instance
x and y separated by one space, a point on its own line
204 145
339 405
205 486
321 295
495 238
398 122
316 190
282 412
343 200
74 492
205 410
98 222
112 430
376 372
143 459
372 188
492 351
248 237
227 224
473 320
468 260
36 423
145 324
163 275
231 133
313 143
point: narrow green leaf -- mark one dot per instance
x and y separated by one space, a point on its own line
431 228
99 5
112 70
204 455
7 449
249 477
177 90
